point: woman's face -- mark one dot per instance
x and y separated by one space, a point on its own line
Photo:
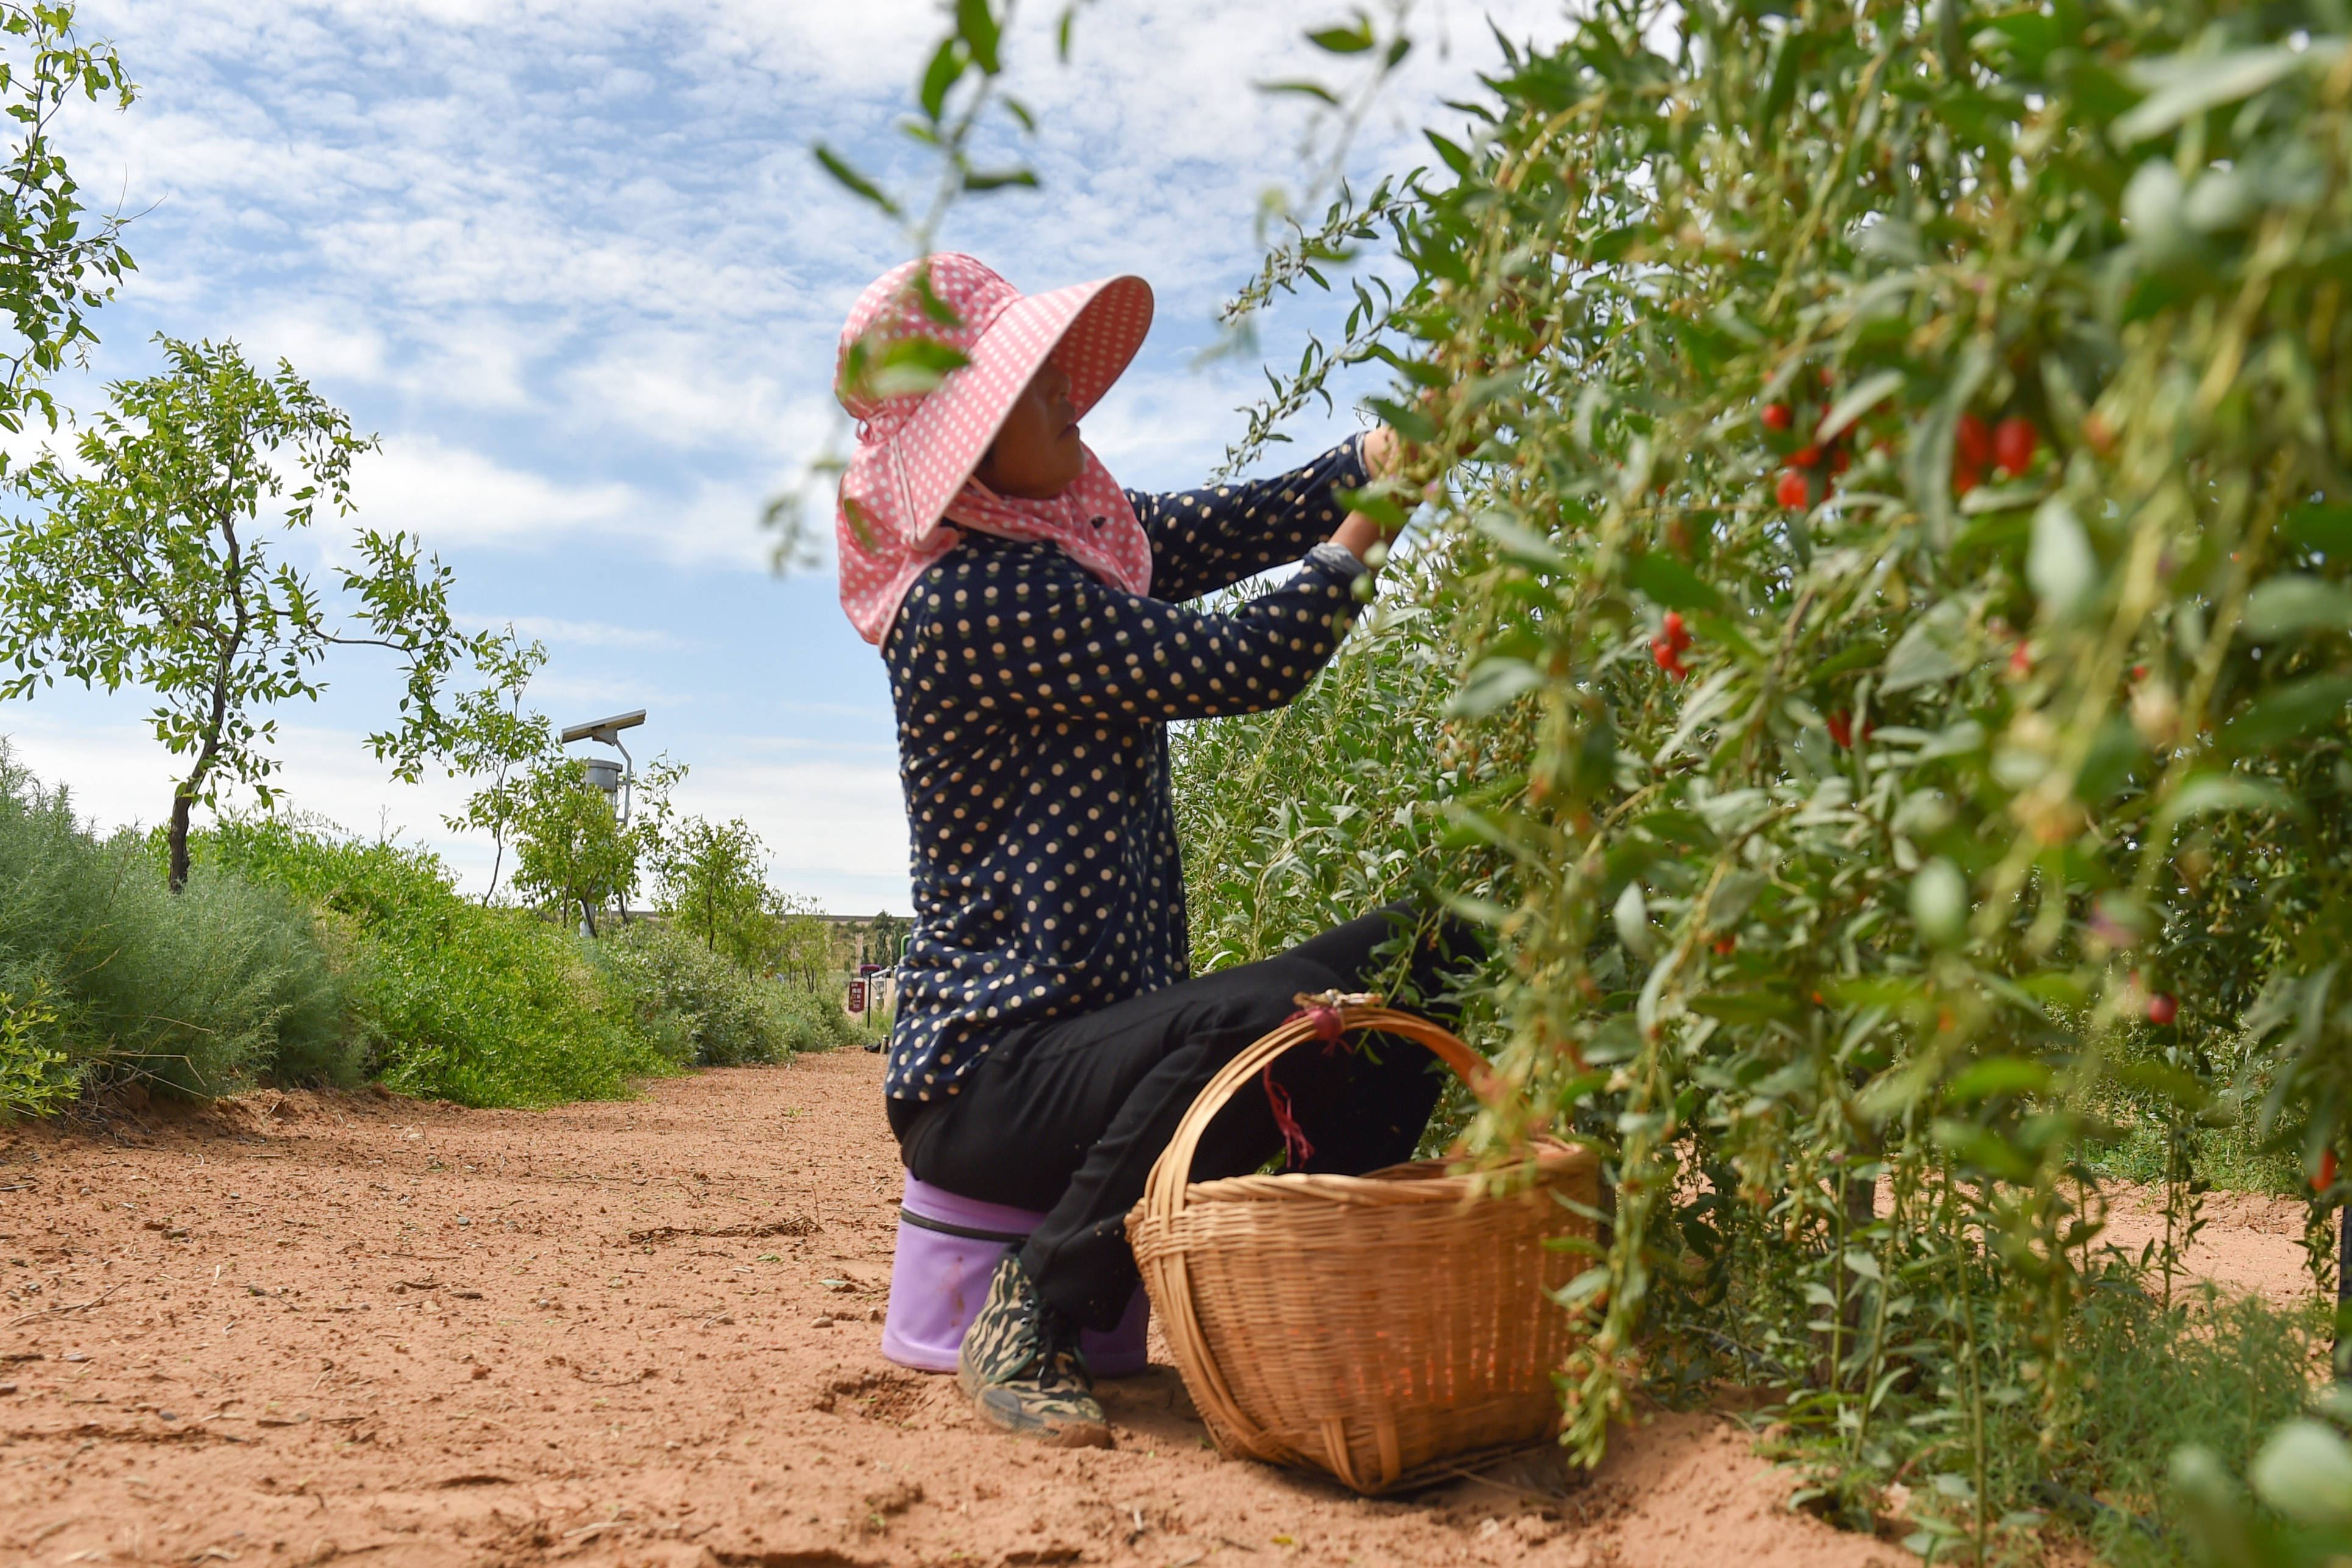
1037 456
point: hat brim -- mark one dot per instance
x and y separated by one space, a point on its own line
1091 330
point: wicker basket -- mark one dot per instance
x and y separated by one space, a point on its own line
1374 1327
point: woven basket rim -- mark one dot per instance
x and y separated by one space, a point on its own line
1414 1182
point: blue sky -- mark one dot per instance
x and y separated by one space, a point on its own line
572 261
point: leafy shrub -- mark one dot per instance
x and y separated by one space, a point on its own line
813 1022
701 1005
1903 561
481 1006
108 976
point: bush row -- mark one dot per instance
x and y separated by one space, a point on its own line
300 956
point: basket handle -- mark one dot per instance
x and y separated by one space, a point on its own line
1171 1173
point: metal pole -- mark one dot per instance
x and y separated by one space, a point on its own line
628 779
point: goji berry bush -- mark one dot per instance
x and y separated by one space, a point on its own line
1877 652
1901 556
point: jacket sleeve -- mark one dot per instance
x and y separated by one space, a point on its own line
1214 537
1000 632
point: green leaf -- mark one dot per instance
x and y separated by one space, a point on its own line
1867 394
1304 89
2186 85
1999 1075
947 64
2204 793
2296 601
1352 41
2286 712
2157 1078
1984 1149
1491 683
997 179
1455 157
856 183
913 365
2304 1471
1668 581
1520 542
2326 526
978 28
1760 1006
1928 651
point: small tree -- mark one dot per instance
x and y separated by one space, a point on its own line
150 563
711 885
570 848
493 736
886 935
804 946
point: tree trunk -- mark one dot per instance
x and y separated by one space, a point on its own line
181 803
588 916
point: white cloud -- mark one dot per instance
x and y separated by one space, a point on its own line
573 259
583 633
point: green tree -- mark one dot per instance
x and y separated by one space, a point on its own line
804 952
711 884
56 264
493 736
149 562
570 848
886 939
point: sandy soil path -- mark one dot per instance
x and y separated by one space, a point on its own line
298 1329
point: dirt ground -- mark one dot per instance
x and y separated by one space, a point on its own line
295 1329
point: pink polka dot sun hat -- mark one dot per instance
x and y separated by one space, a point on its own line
910 485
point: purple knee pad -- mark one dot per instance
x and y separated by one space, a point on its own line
948 1247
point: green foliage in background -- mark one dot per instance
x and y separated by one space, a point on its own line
496 740
1902 510
702 1009
570 850
1900 564
2303 1475
147 560
483 1007
57 263
107 979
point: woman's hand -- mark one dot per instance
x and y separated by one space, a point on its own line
1383 449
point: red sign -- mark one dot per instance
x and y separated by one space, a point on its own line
858 996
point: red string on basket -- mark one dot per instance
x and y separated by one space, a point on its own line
1295 1150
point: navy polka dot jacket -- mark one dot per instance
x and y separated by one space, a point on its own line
1033 702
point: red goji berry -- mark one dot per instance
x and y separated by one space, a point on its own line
1973 442
2162 1010
1841 725
1777 417
2012 445
1793 490
1677 633
1723 944
2327 1177
1808 456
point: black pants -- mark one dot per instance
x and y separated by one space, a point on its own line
1067 1116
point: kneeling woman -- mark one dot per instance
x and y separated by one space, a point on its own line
1048 1035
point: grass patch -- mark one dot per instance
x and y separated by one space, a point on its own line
454 1002
107 977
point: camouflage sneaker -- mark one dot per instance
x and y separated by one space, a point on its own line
1020 1366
